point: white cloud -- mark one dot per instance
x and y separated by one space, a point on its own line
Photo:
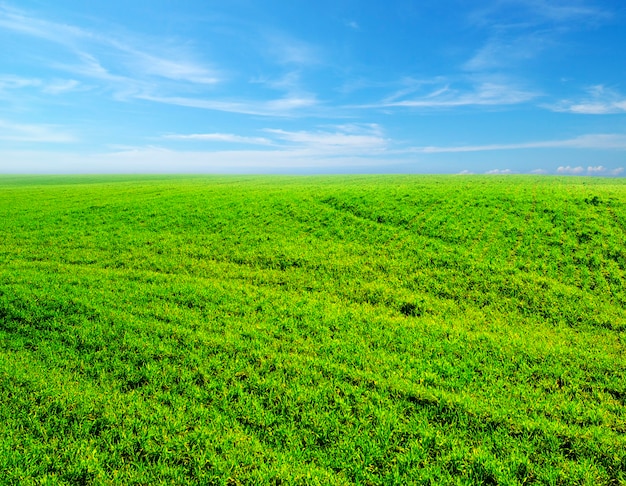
570 170
590 170
499 172
599 169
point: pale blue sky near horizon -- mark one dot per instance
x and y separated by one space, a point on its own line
294 86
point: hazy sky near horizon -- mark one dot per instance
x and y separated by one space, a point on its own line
296 86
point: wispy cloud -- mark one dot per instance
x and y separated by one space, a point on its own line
289 81
599 100
19 21
524 13
178 70
563 11
285 49
13 88
290 84
161 70
288 106
61 86
363 140
127 54
520 30
591 141
121 86
31 133
10 82
502 51
476 92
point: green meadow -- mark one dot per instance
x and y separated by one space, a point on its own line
373 330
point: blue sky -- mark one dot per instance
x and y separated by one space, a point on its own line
296 86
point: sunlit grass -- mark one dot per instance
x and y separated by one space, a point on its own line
320 330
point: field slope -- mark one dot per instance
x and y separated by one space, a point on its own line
314 330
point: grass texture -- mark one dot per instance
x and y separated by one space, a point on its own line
370 330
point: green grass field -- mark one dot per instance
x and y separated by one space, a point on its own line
313 330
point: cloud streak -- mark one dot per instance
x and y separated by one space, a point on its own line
356 139
288 106
591 141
